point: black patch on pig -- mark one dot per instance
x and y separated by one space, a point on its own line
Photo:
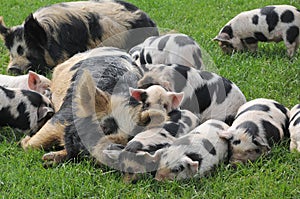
163 134
181 76
250 40
236 142
229 119
197 56
295 115
172 128
134 146
142 57
195 157
281 108
187 121
20 50
21 122
8 93
35 98
148 58
144 97
95 27
153 148
287 16
250 127
228 30
292 33
272 132
206 75
272 17
256 107
260 36
255 19
175 115
209 146
163 42
183 40
297 121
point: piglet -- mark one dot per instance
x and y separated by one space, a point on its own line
270 23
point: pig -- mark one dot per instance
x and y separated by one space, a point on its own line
270 23
181 122
294 128
193 155
24 110
206 94
30 81
168 49
54 33
258 126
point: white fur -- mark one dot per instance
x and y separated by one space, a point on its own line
295 129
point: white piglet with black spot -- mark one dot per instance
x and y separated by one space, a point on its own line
294 128
168 49
259 125
270 23
193 155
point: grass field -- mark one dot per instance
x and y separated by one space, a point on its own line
269 73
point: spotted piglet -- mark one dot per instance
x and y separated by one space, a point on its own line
168 49
259 125
270 23
294 128
24 109
193 155
206 94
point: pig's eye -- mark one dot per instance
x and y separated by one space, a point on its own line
177 169
20 50
257 150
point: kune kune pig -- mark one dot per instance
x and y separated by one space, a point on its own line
30 81
259 124
107 66
194 155
294 128
270 23
168 49
54 33
24 110
206 94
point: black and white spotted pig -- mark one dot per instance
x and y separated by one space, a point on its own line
168 49
181 122
270 23
206 94
193 155
54 33
259 124
294 128
24 109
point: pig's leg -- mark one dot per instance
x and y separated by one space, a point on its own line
49 135
291 40
252 47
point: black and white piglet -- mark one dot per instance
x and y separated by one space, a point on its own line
206 94
24 109
294 128
168 49
193 155
270 23
259 125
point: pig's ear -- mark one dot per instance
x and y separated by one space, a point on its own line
223 37
112 154
3 29
176 99
33 80
34 32
136 93
152 158
225 135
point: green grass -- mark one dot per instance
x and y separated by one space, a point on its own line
269 73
